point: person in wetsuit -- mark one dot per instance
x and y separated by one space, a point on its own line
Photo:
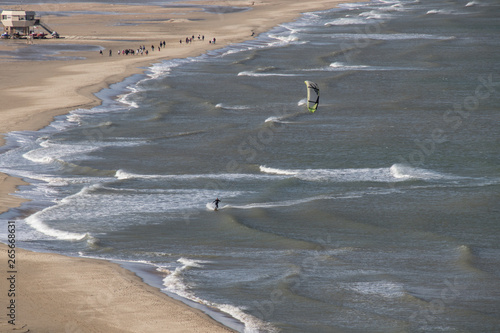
216 202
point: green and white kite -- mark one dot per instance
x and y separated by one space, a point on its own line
312 96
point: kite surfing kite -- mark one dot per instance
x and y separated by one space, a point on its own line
312 96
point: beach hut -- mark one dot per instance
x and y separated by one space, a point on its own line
18 22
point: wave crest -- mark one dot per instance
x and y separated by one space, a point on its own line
395 173
35 222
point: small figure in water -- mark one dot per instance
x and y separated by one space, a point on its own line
216 202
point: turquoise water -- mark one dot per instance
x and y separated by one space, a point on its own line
379 212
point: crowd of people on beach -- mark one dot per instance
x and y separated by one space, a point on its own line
200 38
142 50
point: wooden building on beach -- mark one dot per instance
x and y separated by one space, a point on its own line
21 23
18 22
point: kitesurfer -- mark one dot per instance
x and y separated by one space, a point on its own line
216 202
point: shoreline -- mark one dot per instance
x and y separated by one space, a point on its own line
110 299
32 107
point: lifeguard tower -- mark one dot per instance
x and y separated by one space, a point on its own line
19 22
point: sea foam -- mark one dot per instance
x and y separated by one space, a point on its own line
175 283
386 289
395 173
36 222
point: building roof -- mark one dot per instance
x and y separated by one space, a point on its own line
18 12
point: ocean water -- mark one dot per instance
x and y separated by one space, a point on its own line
380 212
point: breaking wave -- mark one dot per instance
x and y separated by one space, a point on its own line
174 283
395 173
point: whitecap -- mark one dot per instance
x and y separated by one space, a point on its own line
395 173
276 171
210 206
341 66
402 171
386 289
74 118
175 283
440 11
337 175
36 222
302 102
121 174
50 152
252 324
256 74
272 119
165 68
375 15
232 107
285 39
346 21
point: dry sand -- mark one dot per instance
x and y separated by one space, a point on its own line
61 294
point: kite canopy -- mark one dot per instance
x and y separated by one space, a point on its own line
312 96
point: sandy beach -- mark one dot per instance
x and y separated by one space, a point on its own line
55 293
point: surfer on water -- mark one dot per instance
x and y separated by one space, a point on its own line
216 202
